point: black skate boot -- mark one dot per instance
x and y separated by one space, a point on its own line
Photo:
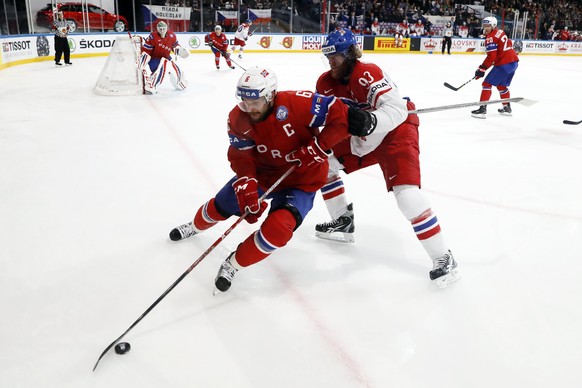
225 274
479 113
341 229
506 110
444 270
183 231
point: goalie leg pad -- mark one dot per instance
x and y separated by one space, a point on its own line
157 76
143 61
177 77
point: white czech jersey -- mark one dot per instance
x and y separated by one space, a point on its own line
242 32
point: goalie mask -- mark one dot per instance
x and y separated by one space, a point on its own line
162 29
255 83
339 42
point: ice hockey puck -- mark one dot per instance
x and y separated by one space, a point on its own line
122 347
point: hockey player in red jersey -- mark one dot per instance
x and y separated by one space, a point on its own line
384 134
270 131
218 43
156 54
503 58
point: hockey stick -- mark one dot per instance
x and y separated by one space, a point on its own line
519 100
570 122
448 85
210 249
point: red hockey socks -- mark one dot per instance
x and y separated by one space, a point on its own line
275 232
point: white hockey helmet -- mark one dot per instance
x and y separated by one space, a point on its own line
255 83
162 28
490 20
218 28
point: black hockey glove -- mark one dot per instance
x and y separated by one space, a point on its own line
360 122
480 72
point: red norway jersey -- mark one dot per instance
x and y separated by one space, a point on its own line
259 149
158 47
499 49
220 42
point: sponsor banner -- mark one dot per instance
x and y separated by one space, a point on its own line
16 48
90 44
539 47
459 45
389 44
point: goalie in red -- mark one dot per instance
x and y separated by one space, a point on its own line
270 131
218 43
156 55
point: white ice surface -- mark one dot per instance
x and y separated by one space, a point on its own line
90 187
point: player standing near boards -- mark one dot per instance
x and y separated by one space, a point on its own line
502 56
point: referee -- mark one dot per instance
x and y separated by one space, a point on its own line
61 29
448 38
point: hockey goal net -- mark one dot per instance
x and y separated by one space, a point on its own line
120 75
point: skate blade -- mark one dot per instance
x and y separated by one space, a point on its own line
336 236
446 280
505 114
479 116
216 291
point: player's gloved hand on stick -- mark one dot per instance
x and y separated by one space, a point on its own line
360 122
308 155
247 196
182 52
480 72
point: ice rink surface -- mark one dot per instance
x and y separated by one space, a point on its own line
92 185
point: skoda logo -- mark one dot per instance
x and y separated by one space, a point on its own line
194 42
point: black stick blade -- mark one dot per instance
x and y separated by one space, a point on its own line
448 85
569 122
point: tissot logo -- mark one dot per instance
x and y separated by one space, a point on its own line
15 46
539 45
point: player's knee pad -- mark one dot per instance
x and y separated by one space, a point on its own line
411 201
275 232
293 211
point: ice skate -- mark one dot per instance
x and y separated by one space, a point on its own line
505 111
182 232
479 113
444 270
225 275
217 67
341 229
232 66
240 56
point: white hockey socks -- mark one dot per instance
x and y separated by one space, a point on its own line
415 206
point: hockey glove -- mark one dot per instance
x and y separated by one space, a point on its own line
247 196
480 72
308 155
360 122
182 52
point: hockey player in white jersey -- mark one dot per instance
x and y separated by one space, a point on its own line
241 36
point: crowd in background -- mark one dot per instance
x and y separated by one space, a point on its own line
546 19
